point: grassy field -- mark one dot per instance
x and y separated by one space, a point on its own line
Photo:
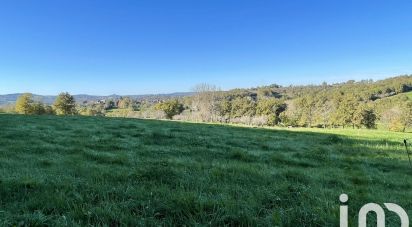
409 94
78 171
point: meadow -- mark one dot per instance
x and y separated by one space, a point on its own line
409 94
82 171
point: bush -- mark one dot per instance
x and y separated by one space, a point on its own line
260 121
170 108
7 109
26 105
396 125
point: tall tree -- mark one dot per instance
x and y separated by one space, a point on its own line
270 107
65 104
324 112
24 104
346 109
369 118
205 101
307 105
364 116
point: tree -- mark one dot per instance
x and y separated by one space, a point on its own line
406 117
324 112
307 105
65 104
24 104
392 118
364 116
38 108
243 107
110 104
291 115
125 103
170 108
399 118
369 118
270 107
205 101
48 110
346 109
223 109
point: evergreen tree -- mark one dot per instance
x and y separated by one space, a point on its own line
369 118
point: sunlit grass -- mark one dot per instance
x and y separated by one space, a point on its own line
79 171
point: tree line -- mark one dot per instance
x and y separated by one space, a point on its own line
363 104
64 104
356 104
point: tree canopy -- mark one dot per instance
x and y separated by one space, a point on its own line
65 104
170 108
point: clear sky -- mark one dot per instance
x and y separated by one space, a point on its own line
160 46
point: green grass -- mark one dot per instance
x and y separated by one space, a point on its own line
409 94
79 171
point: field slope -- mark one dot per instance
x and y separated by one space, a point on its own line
78 171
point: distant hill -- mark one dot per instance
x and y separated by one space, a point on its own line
49 99
11 98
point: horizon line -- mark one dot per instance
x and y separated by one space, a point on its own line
228 89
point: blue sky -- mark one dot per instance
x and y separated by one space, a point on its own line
160 46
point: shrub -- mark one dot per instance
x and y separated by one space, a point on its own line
170 108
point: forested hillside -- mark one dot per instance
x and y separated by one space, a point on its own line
351 104
385 103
